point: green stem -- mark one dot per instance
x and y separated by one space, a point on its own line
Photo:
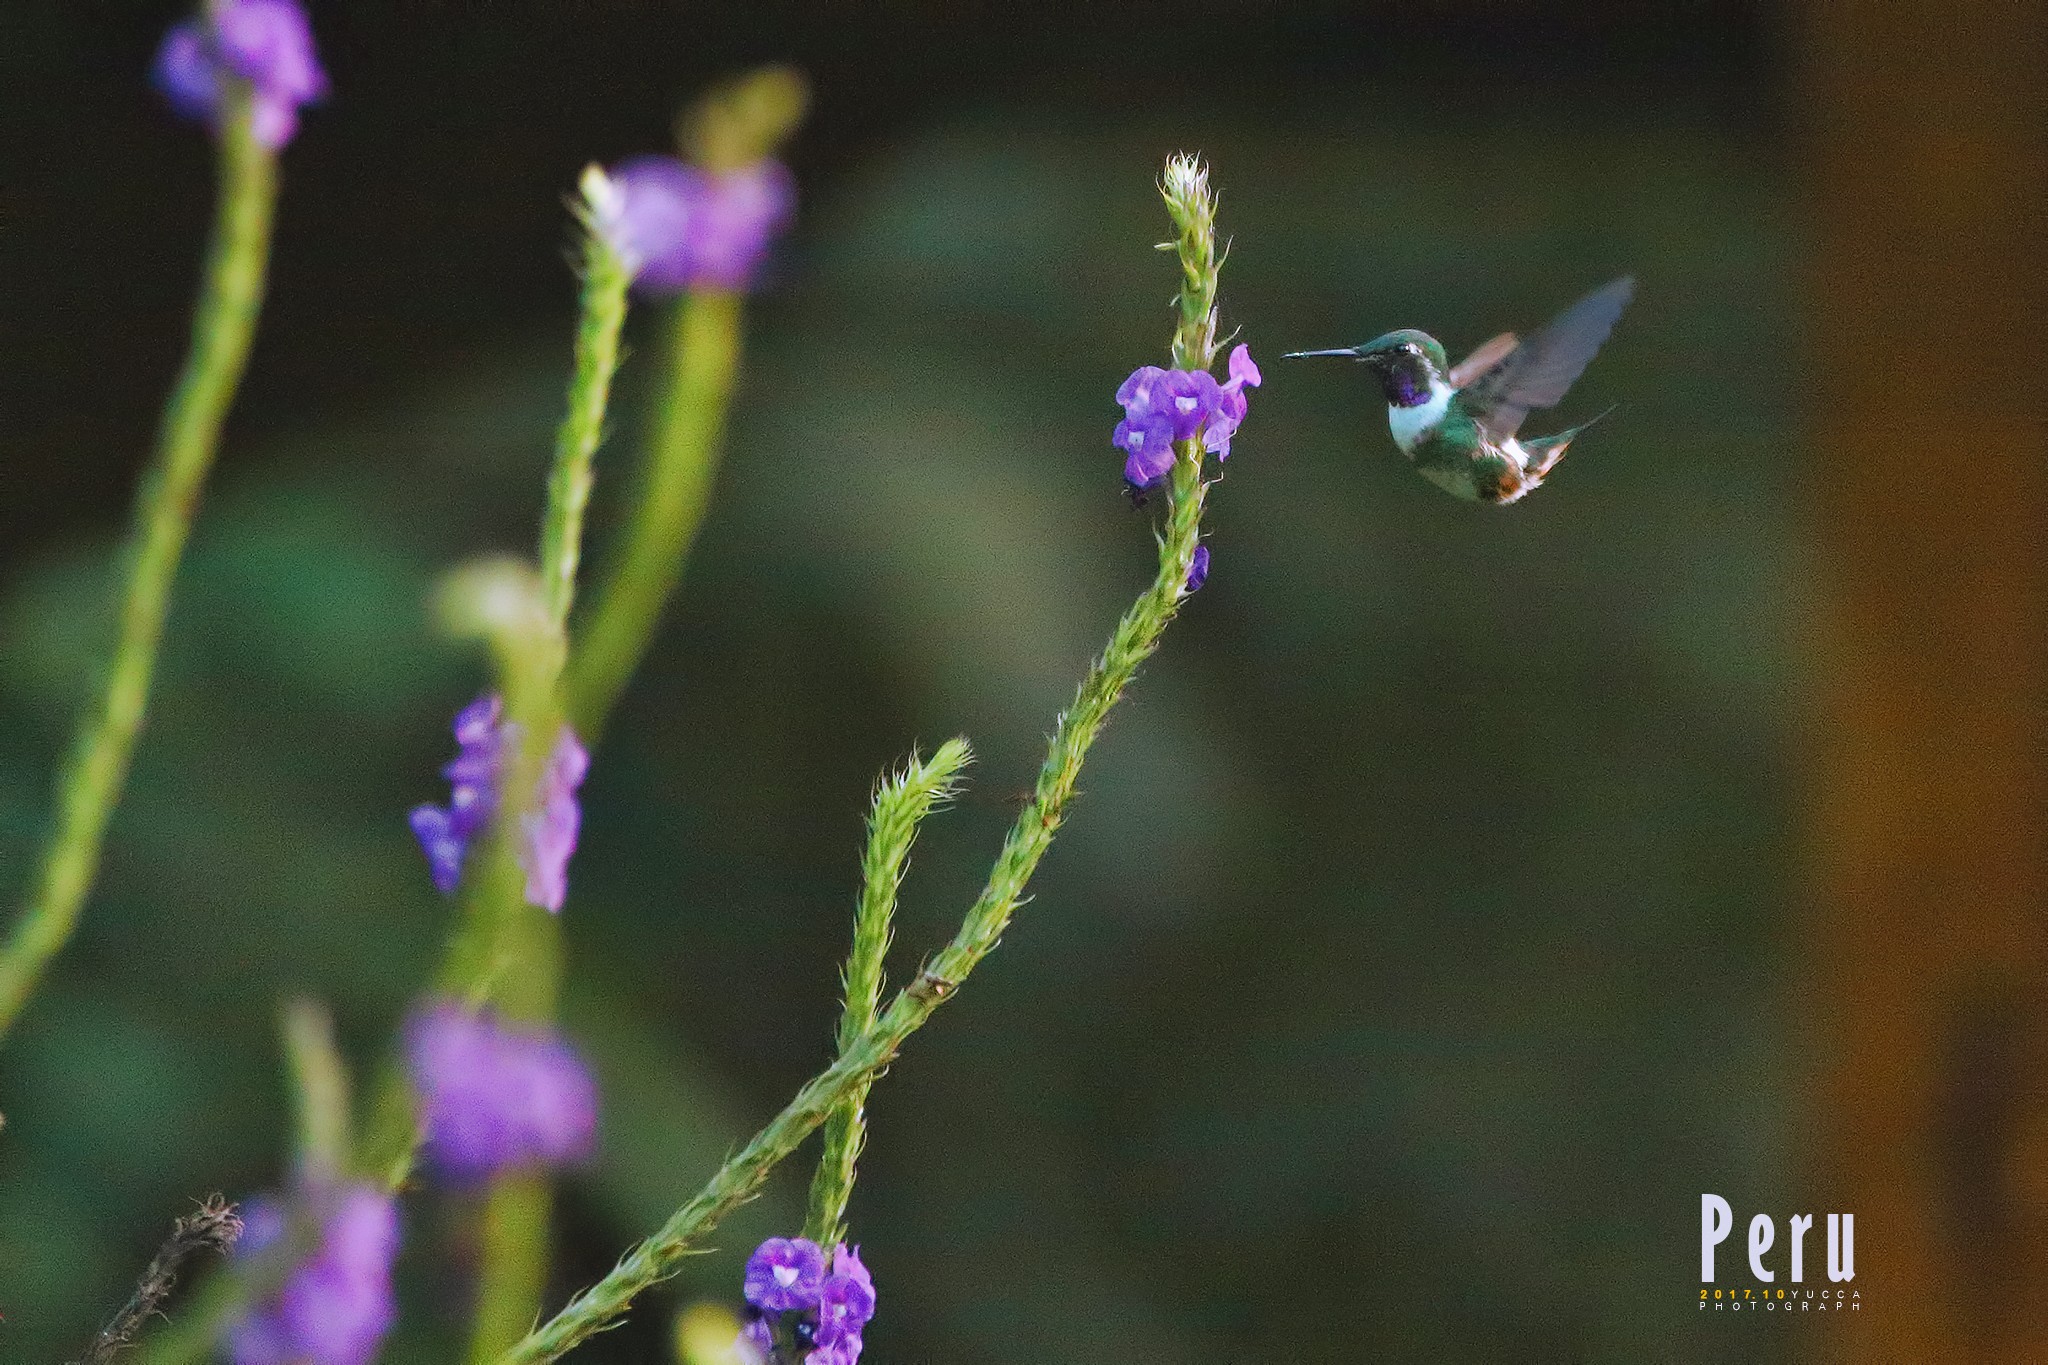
901 804
676 487
229 301
1137 635
653 1260
513 1268
319 1090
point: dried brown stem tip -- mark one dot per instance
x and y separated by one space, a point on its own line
215 1226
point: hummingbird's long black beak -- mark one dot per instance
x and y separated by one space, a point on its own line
1342 352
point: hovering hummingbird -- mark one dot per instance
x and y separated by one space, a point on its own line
1457 423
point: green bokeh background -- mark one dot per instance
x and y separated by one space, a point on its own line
1410 964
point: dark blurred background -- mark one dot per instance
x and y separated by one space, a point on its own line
1458 896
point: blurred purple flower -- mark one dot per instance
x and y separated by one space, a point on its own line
785 1274
495 1096
679 227
757 1340
337 1306
549 831
267 43
1198 569
445 834
551 828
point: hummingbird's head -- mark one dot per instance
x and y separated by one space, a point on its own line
1405 363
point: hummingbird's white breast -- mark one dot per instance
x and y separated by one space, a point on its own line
1411 424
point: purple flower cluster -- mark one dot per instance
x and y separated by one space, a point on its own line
337 1306
494 1096
267 43
1164 406
803 1307
548 833
679 227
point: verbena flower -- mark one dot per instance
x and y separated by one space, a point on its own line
804 1307
337 1305
551 828
267 43
1198 569
496 1096
784 1274
445 834
548 832
1163 406
679 227
845 1302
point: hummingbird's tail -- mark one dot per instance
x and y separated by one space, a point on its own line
1545 451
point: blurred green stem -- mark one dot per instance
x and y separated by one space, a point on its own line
230 298
1137 635
319 1090
676 485
901 804
514 1246
527 945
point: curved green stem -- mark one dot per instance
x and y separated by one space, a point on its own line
1134 640
229 301
676 486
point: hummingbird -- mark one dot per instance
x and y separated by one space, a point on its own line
1457 423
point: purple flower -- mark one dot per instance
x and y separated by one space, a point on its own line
337 1306
1187 398
796 1300
1231 403
446 834
785 1274
495 1096
756 1341
679 227
551 828
267 43
1198 569
548 832
845 1302
739 214
1148 444
1164 406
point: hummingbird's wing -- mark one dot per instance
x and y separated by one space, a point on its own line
1480 361
1537 373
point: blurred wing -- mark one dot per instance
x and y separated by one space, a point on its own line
1537 373
1482 360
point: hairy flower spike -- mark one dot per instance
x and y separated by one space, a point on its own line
337 1306
495 1096
1185 187
268 43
